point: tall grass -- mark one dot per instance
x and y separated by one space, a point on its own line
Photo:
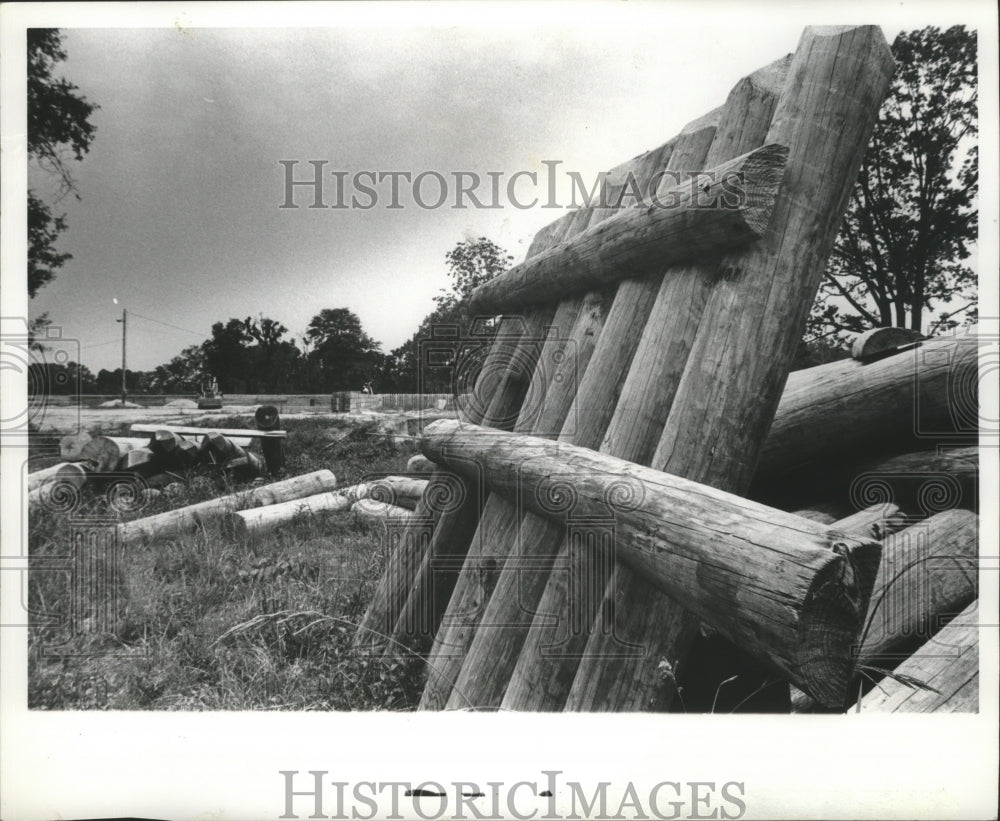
210 621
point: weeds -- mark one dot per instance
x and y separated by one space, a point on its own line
209 621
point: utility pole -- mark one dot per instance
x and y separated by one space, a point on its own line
124 322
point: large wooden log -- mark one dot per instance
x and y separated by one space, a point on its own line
729 206
379 513
259 521
58 487
71 445
446 574
456 669
232 433
418 463
929 573
436 521
948 663
740 360
893 405
789 589
542 679
403 491
188 519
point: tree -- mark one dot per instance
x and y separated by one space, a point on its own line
912 214
342 355
470 263
59 129
249 356
182 374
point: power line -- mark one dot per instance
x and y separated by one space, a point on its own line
166 324
99 344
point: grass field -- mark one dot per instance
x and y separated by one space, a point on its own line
213 622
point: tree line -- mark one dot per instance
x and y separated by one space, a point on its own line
901 257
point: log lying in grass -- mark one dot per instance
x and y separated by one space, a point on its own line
789 590
141 461
71 445
929 573
223 451
876 522
380 513
948 663
402 491
189 519
104 454
58 486
728 207
418 463
266 419
173 451
259 521
236 435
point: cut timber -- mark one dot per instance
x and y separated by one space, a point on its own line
403 491
929 573
728 206
259 521
173 450
542 679
71 445
141 461
508 598
189 519
949 663
418 463
788 589
880 342
381 513
57 487
266 418
739 360
103 453
875 522
230 456
884 407
192 431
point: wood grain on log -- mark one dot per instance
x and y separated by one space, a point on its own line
542 680
188 519
929 573
57 487
948 663
792 590
259 521
729 206
739 361
71 445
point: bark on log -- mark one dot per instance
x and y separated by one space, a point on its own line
260 521
57 487
267 419
740 360
728 207
540 680
174 452
929 573
949 663
141 461
188 519
402 491
789 589
875 522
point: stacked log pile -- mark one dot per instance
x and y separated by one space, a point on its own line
153 457
590 574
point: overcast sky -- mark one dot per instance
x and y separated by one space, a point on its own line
179 218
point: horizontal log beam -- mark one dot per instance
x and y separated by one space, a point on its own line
728 206
185 430
789 590
188 519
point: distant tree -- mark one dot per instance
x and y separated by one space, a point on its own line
182 374
249 356
342 356
59 129
913 213
227 355
470 264
54 379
